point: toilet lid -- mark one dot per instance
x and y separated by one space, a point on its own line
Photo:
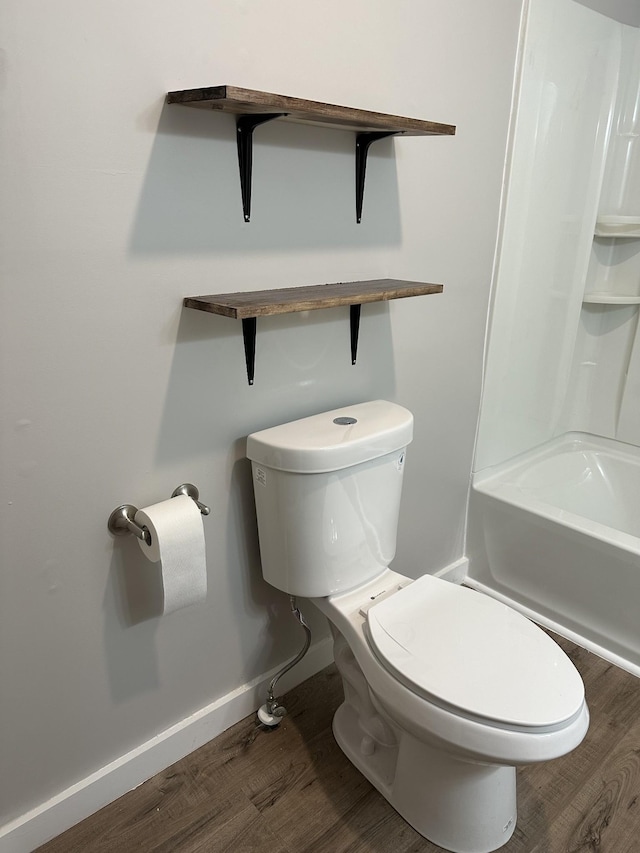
459 648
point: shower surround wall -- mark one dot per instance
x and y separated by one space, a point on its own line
563 353
569 72
605 386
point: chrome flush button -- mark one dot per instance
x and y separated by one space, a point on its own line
345 421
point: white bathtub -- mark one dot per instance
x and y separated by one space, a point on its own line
556 533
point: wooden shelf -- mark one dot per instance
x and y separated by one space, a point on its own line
233 99
288 300
261 303
254 108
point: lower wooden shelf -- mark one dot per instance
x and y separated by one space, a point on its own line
248 306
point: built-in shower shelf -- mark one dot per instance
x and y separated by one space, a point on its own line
610 299
253 108
248 306
618 226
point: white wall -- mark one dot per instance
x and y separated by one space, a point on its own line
625 11
115 206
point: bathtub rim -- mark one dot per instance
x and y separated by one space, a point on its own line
498 482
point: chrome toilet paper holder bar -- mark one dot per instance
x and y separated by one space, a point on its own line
121 521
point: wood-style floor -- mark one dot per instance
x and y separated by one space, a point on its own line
291 790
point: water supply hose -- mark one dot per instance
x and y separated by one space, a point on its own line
272 712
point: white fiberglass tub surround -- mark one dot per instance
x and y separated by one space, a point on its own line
554 516
555 532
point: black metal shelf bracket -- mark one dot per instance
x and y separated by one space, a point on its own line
249 330
363 143
249 325
245 125
354 319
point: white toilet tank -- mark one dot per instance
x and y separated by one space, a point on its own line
327 491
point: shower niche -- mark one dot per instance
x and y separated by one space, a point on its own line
614 269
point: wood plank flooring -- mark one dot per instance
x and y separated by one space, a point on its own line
292 790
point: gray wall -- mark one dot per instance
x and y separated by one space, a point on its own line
625 11
114 207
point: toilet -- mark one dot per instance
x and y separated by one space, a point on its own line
446 690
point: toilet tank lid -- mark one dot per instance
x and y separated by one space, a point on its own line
333 440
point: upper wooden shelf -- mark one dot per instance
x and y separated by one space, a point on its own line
233 99
261 303
254 108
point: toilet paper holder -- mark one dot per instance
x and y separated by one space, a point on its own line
121 521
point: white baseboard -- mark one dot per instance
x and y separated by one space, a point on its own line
455 572
77 802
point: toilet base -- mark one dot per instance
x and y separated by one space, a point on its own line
459 805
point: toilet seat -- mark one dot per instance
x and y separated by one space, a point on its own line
470 653
424 717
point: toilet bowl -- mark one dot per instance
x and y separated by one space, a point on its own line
443 751
446 690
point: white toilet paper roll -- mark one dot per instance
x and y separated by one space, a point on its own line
177 542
